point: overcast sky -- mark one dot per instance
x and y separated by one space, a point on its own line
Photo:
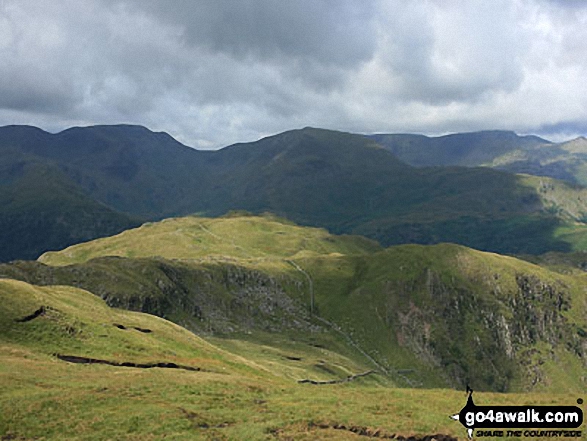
215 72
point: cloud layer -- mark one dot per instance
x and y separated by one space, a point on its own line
214 72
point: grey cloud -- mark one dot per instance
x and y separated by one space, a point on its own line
34 77
580 4
563 131
331 31
29 96
453 51
308 42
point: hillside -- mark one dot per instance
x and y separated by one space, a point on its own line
69 365
128 168
41 210
73 368
465 149
237 235
343 182
567 161
348 184
496 149
433 316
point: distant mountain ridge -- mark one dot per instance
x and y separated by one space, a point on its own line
42 209
566 160
126 167
502 150
465 149
341 181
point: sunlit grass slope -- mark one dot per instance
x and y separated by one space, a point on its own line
242 237
230 398
448 313
427 316
77 323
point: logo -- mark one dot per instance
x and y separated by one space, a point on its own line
500 421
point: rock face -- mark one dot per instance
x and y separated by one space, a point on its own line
537 311
491 340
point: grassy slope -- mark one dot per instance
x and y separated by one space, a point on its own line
79 323
560 198
567 161
558 225
438 312
232 397
467 149
425 316
241 237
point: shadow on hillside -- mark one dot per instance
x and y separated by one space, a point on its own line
525 234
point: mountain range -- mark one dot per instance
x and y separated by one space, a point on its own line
83 183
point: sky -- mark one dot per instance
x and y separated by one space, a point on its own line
215 72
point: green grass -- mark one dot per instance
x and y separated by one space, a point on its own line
50 400
234 396
427 316
80 323
243 237
419 308
576 235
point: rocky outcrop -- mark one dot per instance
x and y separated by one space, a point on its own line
487 339
537 311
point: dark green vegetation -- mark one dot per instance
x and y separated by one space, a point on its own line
57 190
497 149
41 209
432 316
277 307
100 180
128 168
